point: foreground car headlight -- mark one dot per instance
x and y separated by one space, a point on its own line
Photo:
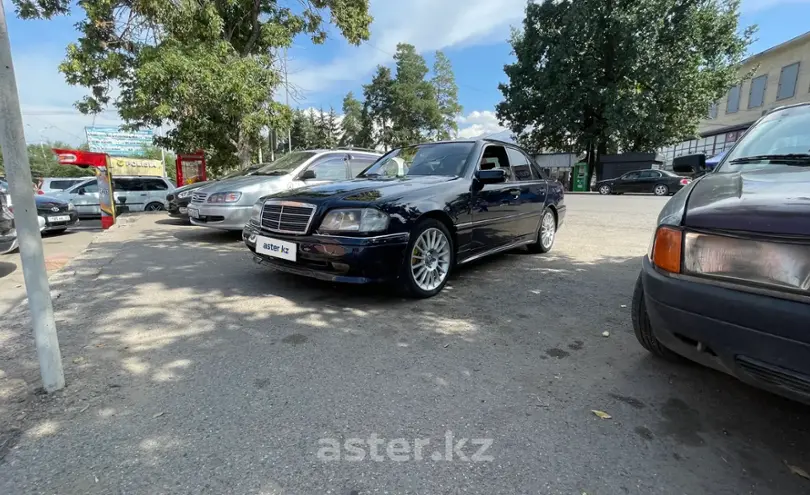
184 194
71 207
761 262
354 220
256 213
224 197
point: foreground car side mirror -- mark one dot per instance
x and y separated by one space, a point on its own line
80 192
307 174
493 176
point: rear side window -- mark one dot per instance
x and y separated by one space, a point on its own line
61 185
330 169
521 168
155 185
650 174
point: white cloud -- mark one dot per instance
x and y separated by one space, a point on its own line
478 124
427 24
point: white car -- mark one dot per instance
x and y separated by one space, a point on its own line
52 185
137 193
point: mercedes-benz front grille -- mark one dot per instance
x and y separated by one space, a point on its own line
287 217
198 197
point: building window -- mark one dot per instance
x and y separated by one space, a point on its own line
787 81
713 110
733 100
756 96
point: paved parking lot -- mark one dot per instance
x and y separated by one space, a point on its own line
193 370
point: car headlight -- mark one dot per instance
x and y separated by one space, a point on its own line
184 194
224 197
71 207
782 265
354 220
256 213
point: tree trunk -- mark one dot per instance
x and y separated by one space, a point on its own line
591 160
243 151
601 150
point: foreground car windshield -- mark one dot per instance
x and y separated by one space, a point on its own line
783 137
285 164
240 173
424 159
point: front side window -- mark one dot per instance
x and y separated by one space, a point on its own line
787 81
784 132
446 159
357 165
89 187
330 169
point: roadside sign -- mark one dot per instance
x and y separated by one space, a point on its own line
117 142
137 166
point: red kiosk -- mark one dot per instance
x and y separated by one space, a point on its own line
191 168
101 163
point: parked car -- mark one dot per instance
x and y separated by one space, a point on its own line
59 184
455 202
136 193
658 182
56 214
227 204
8 234
179 199
727 280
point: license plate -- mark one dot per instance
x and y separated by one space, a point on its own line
183 210
59 218
276 248
194 213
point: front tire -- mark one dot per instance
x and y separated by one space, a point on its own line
546 234
604 190
428 258
661 190
643 328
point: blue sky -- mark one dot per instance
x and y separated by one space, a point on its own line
473 33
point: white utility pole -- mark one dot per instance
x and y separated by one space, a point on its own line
287 101
272 145
260 148
18 172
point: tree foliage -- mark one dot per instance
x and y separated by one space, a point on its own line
351 124
414 107
599 75
444 86
379 99
203 68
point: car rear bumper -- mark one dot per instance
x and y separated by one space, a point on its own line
221 217
761 340
357 260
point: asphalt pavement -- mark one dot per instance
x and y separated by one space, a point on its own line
192 370
59 248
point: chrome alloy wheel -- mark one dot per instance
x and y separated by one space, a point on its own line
430 259
548 229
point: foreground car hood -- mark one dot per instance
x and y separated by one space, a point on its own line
768 201
243 184
366 189
49 201
191 187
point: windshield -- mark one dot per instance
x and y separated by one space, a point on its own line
285 164
785 132
424 159
240 173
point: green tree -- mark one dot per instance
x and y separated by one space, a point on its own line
313 137
350 126
414 108
332 128
444 85
300 130
365 134
379 105
204 68
599 75
323 135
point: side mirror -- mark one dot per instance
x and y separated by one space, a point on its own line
307 174
493 176
80 192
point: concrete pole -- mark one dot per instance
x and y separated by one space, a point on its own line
260 148
18 172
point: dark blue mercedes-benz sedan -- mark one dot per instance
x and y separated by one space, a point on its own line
726 282
411 217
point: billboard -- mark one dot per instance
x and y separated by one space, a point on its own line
117 142
136 166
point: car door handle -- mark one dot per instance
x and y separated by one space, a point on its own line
514 192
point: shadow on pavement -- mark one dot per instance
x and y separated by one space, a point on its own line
7 268
198 365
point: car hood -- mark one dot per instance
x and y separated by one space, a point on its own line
193 186
771 200
366 190
49 201
243 184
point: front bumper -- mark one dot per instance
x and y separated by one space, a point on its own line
175 206
761 340
221 217
52 225
357 260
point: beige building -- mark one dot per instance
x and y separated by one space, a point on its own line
781 77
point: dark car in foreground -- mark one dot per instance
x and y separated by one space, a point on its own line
412 216
658 182
55 215
727 279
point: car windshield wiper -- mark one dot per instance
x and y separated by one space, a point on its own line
799 158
